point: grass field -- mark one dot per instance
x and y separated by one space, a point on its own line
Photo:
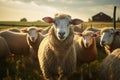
101 24
18 73
7 24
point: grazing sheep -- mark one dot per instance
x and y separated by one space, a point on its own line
110 67
110 39
86 50
57 50
4 54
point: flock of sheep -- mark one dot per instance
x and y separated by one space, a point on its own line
60 50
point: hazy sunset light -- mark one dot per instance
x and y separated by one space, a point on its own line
14 10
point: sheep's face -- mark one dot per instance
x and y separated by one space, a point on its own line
62 28
107 37
87 39
33 35
61 24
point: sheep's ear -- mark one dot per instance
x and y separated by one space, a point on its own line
48 19
24 30
40 30
76 21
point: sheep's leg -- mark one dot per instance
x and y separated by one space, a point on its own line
89 71
81 73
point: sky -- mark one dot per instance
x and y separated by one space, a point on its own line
33 10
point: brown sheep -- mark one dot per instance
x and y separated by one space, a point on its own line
110 67
33 37
16 42
19 47
110 39
100 49
95 30
86 50
56 52
4 54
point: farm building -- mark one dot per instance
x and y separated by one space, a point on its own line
101 17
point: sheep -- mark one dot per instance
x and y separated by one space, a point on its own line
110 39
19 47
14 29
16 42
33 37
109 69
100 49
56 54
4 54
86 50
97 38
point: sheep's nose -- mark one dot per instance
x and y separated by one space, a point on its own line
61 33
33 39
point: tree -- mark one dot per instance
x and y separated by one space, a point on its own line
89 20
23 20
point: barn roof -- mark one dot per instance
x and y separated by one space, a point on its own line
101 13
